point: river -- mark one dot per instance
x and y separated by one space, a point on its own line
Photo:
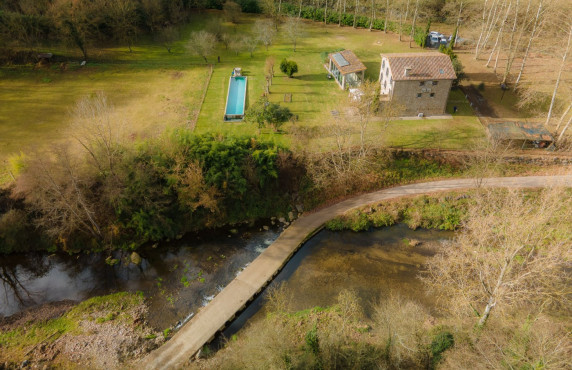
180 277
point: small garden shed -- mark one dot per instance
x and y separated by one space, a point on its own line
346 68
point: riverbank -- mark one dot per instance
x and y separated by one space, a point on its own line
102 332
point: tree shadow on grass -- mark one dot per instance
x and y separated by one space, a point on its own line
313 77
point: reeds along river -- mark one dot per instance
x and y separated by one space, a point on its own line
180 277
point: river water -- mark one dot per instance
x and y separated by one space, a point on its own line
177 278
180 277
374 264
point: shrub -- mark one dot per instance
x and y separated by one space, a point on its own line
441 342
288 67
266 113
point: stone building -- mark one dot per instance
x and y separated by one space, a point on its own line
420 82
346 68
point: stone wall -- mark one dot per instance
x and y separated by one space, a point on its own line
422 96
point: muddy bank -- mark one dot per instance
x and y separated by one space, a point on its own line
102 333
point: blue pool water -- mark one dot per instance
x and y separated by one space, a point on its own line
235 99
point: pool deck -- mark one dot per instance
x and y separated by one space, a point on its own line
233 298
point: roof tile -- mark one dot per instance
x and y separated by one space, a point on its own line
424 66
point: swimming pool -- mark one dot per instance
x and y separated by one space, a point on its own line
236 99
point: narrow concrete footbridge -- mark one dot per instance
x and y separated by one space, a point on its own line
233 299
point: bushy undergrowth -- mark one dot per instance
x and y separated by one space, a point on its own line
157 190
337 337
444 212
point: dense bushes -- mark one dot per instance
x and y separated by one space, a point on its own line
429 212
160 190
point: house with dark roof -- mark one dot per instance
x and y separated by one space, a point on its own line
420 82
346 68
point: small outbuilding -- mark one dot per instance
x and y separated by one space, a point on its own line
346 68
521 133
420 82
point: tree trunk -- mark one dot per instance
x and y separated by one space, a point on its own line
499 34
483 27
564 115
493 19
490 304
326 13
404 20
532 34
564 129
279 6
386 17
300 10
559 76
512 51
413 23
458 25
355 13
372 15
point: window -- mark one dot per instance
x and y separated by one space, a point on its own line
384 84
422 83
435 83
387 72
383 63
419 95
432 95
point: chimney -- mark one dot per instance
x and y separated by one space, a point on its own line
407 71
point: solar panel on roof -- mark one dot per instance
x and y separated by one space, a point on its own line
342 62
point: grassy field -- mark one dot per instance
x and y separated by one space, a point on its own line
148 87
153 90
314 96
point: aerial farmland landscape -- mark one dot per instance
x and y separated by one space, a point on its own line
272 184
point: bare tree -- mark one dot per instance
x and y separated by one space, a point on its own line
499 34
512 50
236 44
530 39
564 129
124 18
232 11
293 30
167 37
387 10
562 66
202 43
403 19
269 72
265 32
55 188
270 8
355 13
251 43
412 38
510 252
98 131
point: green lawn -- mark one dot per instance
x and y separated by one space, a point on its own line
148 87
153 90
314 96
